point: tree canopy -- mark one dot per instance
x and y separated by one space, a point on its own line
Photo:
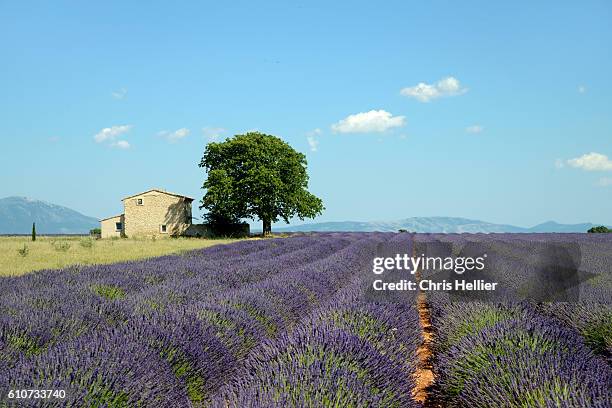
600 229
256 175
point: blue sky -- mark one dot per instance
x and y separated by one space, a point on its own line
499 112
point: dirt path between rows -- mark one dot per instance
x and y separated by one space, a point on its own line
423 376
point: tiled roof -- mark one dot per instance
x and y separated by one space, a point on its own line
108 218
160 191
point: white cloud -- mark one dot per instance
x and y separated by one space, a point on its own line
111 133
314 132
592 162
312 136
120 144
119 94
313 143
581 89
175 136
559 164
605 182
474 129
374 121
423 92
212 133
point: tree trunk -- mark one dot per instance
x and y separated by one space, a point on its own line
267 226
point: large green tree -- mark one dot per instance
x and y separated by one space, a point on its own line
257 175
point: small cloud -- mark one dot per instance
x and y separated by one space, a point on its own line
605 182
582 89
312 143
212 133
559 164
592 162
403 136
120 144
54 139
474 129
423 92
119 94
111 133
311 137
374 121
314 132
175 136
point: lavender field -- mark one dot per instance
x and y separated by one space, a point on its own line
292 323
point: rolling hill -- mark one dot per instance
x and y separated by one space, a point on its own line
435 224
18 213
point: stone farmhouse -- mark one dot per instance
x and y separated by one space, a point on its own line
153 212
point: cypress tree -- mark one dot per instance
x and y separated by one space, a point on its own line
33 231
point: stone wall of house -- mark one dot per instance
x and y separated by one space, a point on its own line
157 209
108 226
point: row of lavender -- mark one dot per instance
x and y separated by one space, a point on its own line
181 331
49 307
165 331
541 340
355 350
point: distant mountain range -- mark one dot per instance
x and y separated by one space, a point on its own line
434 224
18 213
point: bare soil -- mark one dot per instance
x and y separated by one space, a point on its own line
424 376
